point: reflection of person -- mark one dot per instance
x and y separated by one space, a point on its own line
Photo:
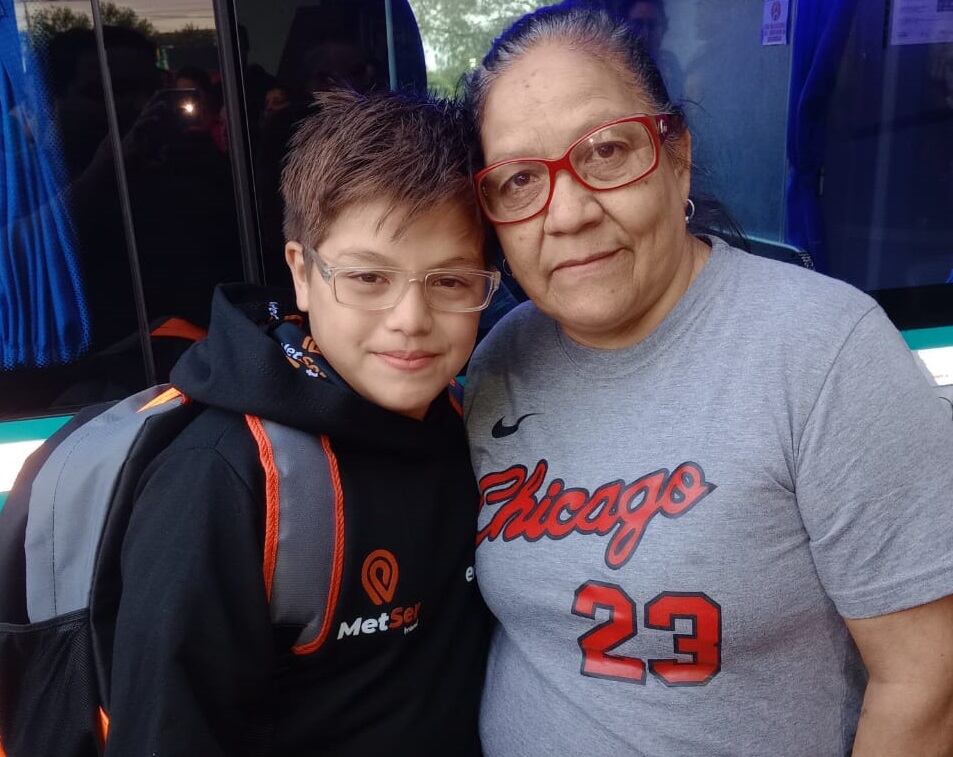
205 113
173 172
257 82
716 491
385 248
649 22
73 66
325 63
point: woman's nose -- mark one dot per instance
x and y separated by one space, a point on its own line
571 208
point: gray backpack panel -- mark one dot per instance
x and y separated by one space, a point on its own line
69 503
310 544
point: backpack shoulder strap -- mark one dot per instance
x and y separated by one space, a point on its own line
304 529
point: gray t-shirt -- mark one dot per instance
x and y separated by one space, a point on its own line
671 532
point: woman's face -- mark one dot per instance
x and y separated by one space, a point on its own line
603 264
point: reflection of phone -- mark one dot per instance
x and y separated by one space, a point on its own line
184 104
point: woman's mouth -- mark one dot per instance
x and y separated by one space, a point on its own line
588 263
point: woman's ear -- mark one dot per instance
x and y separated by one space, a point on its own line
682 159
295 257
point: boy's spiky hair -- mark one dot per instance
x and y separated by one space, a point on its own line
413 152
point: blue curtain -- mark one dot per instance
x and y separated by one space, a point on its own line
43 315
820 36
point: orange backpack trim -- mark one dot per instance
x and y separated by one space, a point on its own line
337 568
167 396
103 726
181 329
272 500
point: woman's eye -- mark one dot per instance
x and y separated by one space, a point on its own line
518 182
608 151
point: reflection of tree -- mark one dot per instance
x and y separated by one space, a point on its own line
117 15
458 33
188 36
48 22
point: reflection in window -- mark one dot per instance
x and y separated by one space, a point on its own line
311 46
458 33
43 314
168 101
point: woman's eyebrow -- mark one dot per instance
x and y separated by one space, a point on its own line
585 126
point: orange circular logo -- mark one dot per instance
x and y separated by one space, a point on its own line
379 576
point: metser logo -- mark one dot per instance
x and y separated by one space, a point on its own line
379 575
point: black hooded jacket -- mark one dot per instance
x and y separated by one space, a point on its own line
198 667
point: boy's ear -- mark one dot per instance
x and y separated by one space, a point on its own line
300 274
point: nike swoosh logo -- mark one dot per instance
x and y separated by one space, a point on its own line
501 430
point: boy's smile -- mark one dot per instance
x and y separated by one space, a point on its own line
400 358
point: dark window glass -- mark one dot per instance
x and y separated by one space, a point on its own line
887 193
308 47
70 331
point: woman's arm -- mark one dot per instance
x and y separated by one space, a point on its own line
908 705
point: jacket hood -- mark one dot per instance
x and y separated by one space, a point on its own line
240 367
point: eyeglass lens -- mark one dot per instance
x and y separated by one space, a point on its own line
370 289
608 158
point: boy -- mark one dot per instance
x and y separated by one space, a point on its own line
385 250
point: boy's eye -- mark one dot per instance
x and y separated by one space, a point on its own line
368 278
448 281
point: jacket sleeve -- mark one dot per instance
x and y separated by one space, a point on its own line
194 653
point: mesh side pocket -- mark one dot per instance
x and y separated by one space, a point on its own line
48 693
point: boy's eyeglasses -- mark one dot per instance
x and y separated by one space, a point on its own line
609 157
453 290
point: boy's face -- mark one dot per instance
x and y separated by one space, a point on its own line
400 358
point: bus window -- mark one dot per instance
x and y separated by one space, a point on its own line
153 247
309 47
103 283
831 149
887 192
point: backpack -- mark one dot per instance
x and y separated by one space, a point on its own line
61 534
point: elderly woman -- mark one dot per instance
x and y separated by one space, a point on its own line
717 495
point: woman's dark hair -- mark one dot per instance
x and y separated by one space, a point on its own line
581 25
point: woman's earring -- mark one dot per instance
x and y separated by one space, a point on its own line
690 210
506 268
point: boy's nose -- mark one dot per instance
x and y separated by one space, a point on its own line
411 314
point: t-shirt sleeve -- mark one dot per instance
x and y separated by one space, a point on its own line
874 479
193 660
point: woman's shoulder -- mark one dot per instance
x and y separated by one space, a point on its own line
521 330
776 292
